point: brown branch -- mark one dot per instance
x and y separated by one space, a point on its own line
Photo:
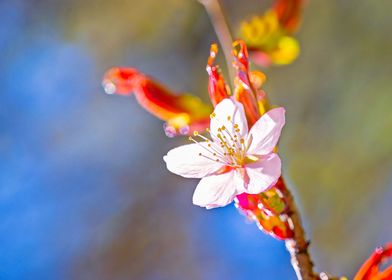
298 245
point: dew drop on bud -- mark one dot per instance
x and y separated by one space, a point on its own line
119 80
109 87
184 130
169 130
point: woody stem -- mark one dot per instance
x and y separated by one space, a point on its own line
298 245
222 30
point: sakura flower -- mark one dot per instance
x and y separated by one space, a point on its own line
270 35
236 160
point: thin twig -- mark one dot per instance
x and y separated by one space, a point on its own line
222 30
298 245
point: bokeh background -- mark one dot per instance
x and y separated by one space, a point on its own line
84 193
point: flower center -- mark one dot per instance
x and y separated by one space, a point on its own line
227 147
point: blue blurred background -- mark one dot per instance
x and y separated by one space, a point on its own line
84 193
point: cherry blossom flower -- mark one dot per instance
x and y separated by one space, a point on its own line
236 160
270 35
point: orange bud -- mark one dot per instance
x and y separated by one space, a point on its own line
217 87
182 113
268 210
370 269
245 91
289 13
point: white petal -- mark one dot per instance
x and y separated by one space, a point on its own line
217 190
187 162
263 174
229 113
265 133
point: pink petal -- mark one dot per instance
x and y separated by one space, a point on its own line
187 162
265 133
263 173
229 113
217 190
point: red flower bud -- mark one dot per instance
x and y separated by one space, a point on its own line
183 113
